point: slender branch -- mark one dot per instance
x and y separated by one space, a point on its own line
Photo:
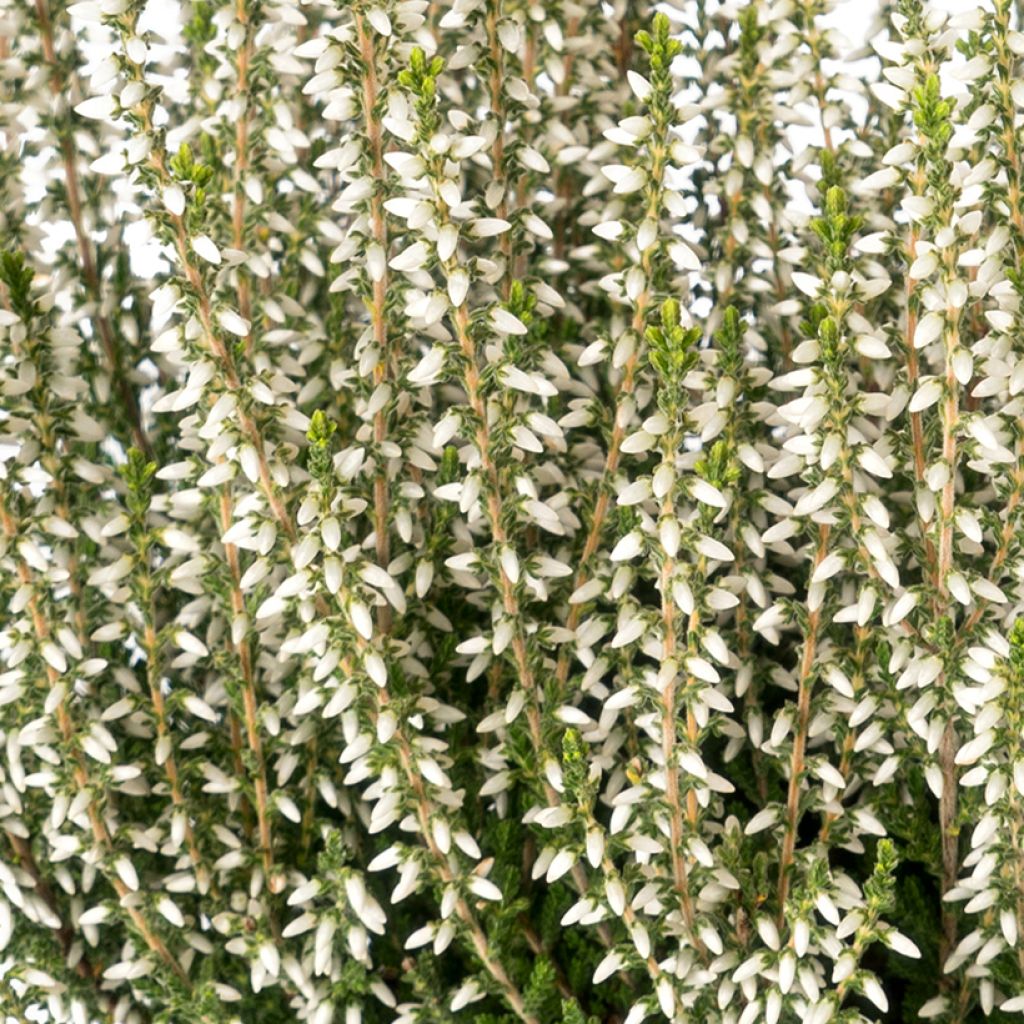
496 84
382 370
669 716
241 166
249 700
949 744
100 832
90 275
64 933
1006 538
796 763
163 734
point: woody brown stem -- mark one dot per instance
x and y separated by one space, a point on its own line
796 762
378 227
249 701
80 773
90 275
64 933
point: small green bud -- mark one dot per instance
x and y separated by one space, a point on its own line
181 162
138 472
571 1012
829 336
718 467
731 323
943 633
449 468
835 202
319 458
1017 649
574 765
17 274
320 429
880 887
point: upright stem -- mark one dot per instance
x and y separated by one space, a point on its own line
510 601
64 934
100 832
378 226
669 717
948 833
948 745
796 762
163 734
478 937
90 275
913 374
241 166
250 701
496 84
611 464
950 420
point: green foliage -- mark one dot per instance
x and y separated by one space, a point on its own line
672 354
17 274
511 513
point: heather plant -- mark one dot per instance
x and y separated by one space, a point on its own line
511 512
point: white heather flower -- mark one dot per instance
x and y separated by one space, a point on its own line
925 396
609 230
232 322
361 620
411 258
458 287
684 257
174 200
379 20
628 547
190 643
203 246
640 86
98 108
429 367
484 888
506 323
487 227
126 872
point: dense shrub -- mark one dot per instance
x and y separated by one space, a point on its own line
510 511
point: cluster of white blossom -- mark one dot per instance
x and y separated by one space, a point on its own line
511 512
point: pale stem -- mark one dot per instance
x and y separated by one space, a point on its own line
948 745
90 275
378 225
100 832
796 763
